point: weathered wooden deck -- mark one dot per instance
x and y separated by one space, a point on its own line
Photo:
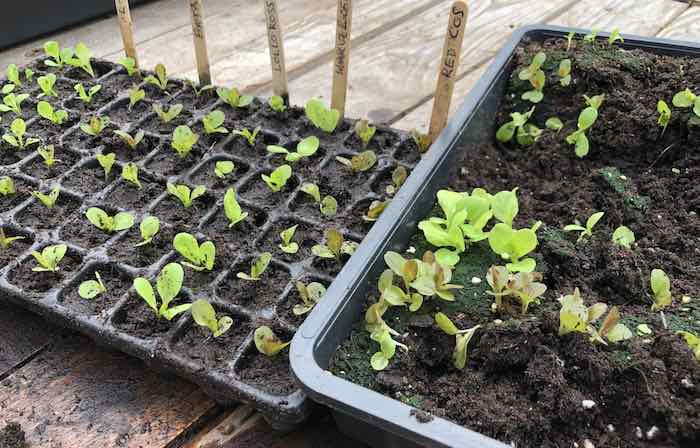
53 383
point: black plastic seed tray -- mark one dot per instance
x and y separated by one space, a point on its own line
119 318
364 414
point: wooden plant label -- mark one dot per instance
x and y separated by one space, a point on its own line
200 42
274 40
125 26
449 66
342 56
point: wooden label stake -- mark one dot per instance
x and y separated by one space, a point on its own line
274 40
341 64
200 42
449 66
125 26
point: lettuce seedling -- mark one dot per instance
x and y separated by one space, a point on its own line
288 246
661 287
168 285
84 95
322 117
200 256
135 95
433 278
232 208
95 126
249 136
535 75
46 83
106 161
374 211
131 142
585 231
47 155
6 241
213 122
586 119
257 268
204 315
422 141
525 133
58 56
89 289
223 168
525 287
569 40
197 89
693 342
82 59
387 349
170 114
554 123
160 79
12 73
12 102
574 316
615 36
49 200
398 177
47 111
18 128
329 206
359 163
233 98
686 99
623 236
565 72
513 245
29 74
49 258
590 37
335 246
183 140
267 343
129 64
7 186
278 178
364 132
394 295
130 173
405 269
310 295
110 224
276 103
460 354
184 194
664 114
149 227
312 190
305 148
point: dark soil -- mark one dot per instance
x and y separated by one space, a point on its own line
79 231
115 144
124 250
27 280
284 308
171 210
524 384
306 236
250 294
272 374
231 241
116 281
138 319
153 123
134 198
16 248
167 162
36 215
257 192
204 175
23 191
12 436
198 344
90 178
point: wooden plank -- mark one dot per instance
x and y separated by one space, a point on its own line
684 27
22 335
77 395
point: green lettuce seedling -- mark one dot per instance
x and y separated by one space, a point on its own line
554 123
82 59
204 315
170 114
106 161
12 102
46 110
664 115
322 117
199 257
249 136
565 72
569 40
590 37
422 141
183 140
49 200
135 95
460 354
7 186
257 268
535 75
525 133
586 119
267 343
149 227
278 178
18 128
168 285
84 95
58 56
47 155
6 241
310 295
693 342
129 64
131 142
574 316
335 246
223 168
305 148
661 287
398 177
89 289
615 36
160 79
513 245
49 258
130 173
387 348
233 98
433 278
197 89
312 190
585 231
328 206
525 287
110 224
232 208
12 73
374 210
47 83
686 99
213 122
359 163
95 126
364 132
288 246
623 236
184 194
406 270
276 103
